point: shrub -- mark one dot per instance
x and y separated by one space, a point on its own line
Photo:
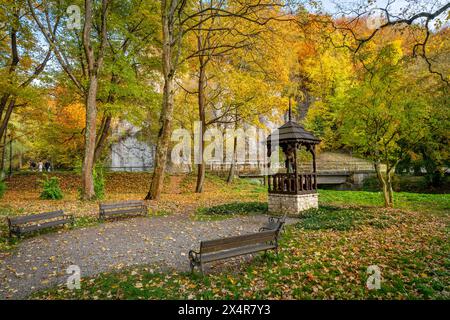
2 188
99 182
236 208
51 189
373 184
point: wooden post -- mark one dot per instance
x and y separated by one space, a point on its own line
313 152
295 169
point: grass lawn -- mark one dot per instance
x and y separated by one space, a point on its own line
324 256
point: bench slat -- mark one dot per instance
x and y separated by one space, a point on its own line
236 252
105 206
237 241
118 212
35 217
43 225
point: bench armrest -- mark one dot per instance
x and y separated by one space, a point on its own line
277 219
274 219
264 229
13 229
194 256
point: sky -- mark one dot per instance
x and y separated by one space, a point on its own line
399 8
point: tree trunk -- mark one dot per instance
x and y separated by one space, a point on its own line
383 183
165 119
201 170
233 162
87 177
101 142
94 66
163 142
390 176
2 172
201 112
9 110
390 190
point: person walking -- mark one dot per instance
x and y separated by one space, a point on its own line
47 166
40 166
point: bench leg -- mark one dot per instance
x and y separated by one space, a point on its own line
193 264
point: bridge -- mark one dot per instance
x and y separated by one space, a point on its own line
337 174
340 179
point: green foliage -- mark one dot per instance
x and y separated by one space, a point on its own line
386 116
2 188
236 208
373 184
99 182
51 189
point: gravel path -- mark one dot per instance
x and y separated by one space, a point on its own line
42 261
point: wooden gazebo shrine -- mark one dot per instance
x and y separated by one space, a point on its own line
292 191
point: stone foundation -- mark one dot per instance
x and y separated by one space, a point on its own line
292 203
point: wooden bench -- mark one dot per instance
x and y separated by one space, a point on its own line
219 249
274 223
35 222
122 209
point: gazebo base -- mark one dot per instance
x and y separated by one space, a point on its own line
292 203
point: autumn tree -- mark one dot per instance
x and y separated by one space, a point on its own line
218 30
105 60
22 60
366 22
93 57
383 117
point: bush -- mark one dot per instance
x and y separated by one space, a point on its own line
2 188
373 184
51 189
236 208
99 182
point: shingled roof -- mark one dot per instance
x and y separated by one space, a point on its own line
293 132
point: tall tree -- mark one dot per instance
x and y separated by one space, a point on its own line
172 12
22 61
94 65
92 59
366 21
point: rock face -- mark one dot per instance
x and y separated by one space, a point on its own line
129 153
292 203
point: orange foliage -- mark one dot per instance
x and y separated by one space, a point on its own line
72 116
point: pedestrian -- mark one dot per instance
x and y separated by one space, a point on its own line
47 166
40 166
33 165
